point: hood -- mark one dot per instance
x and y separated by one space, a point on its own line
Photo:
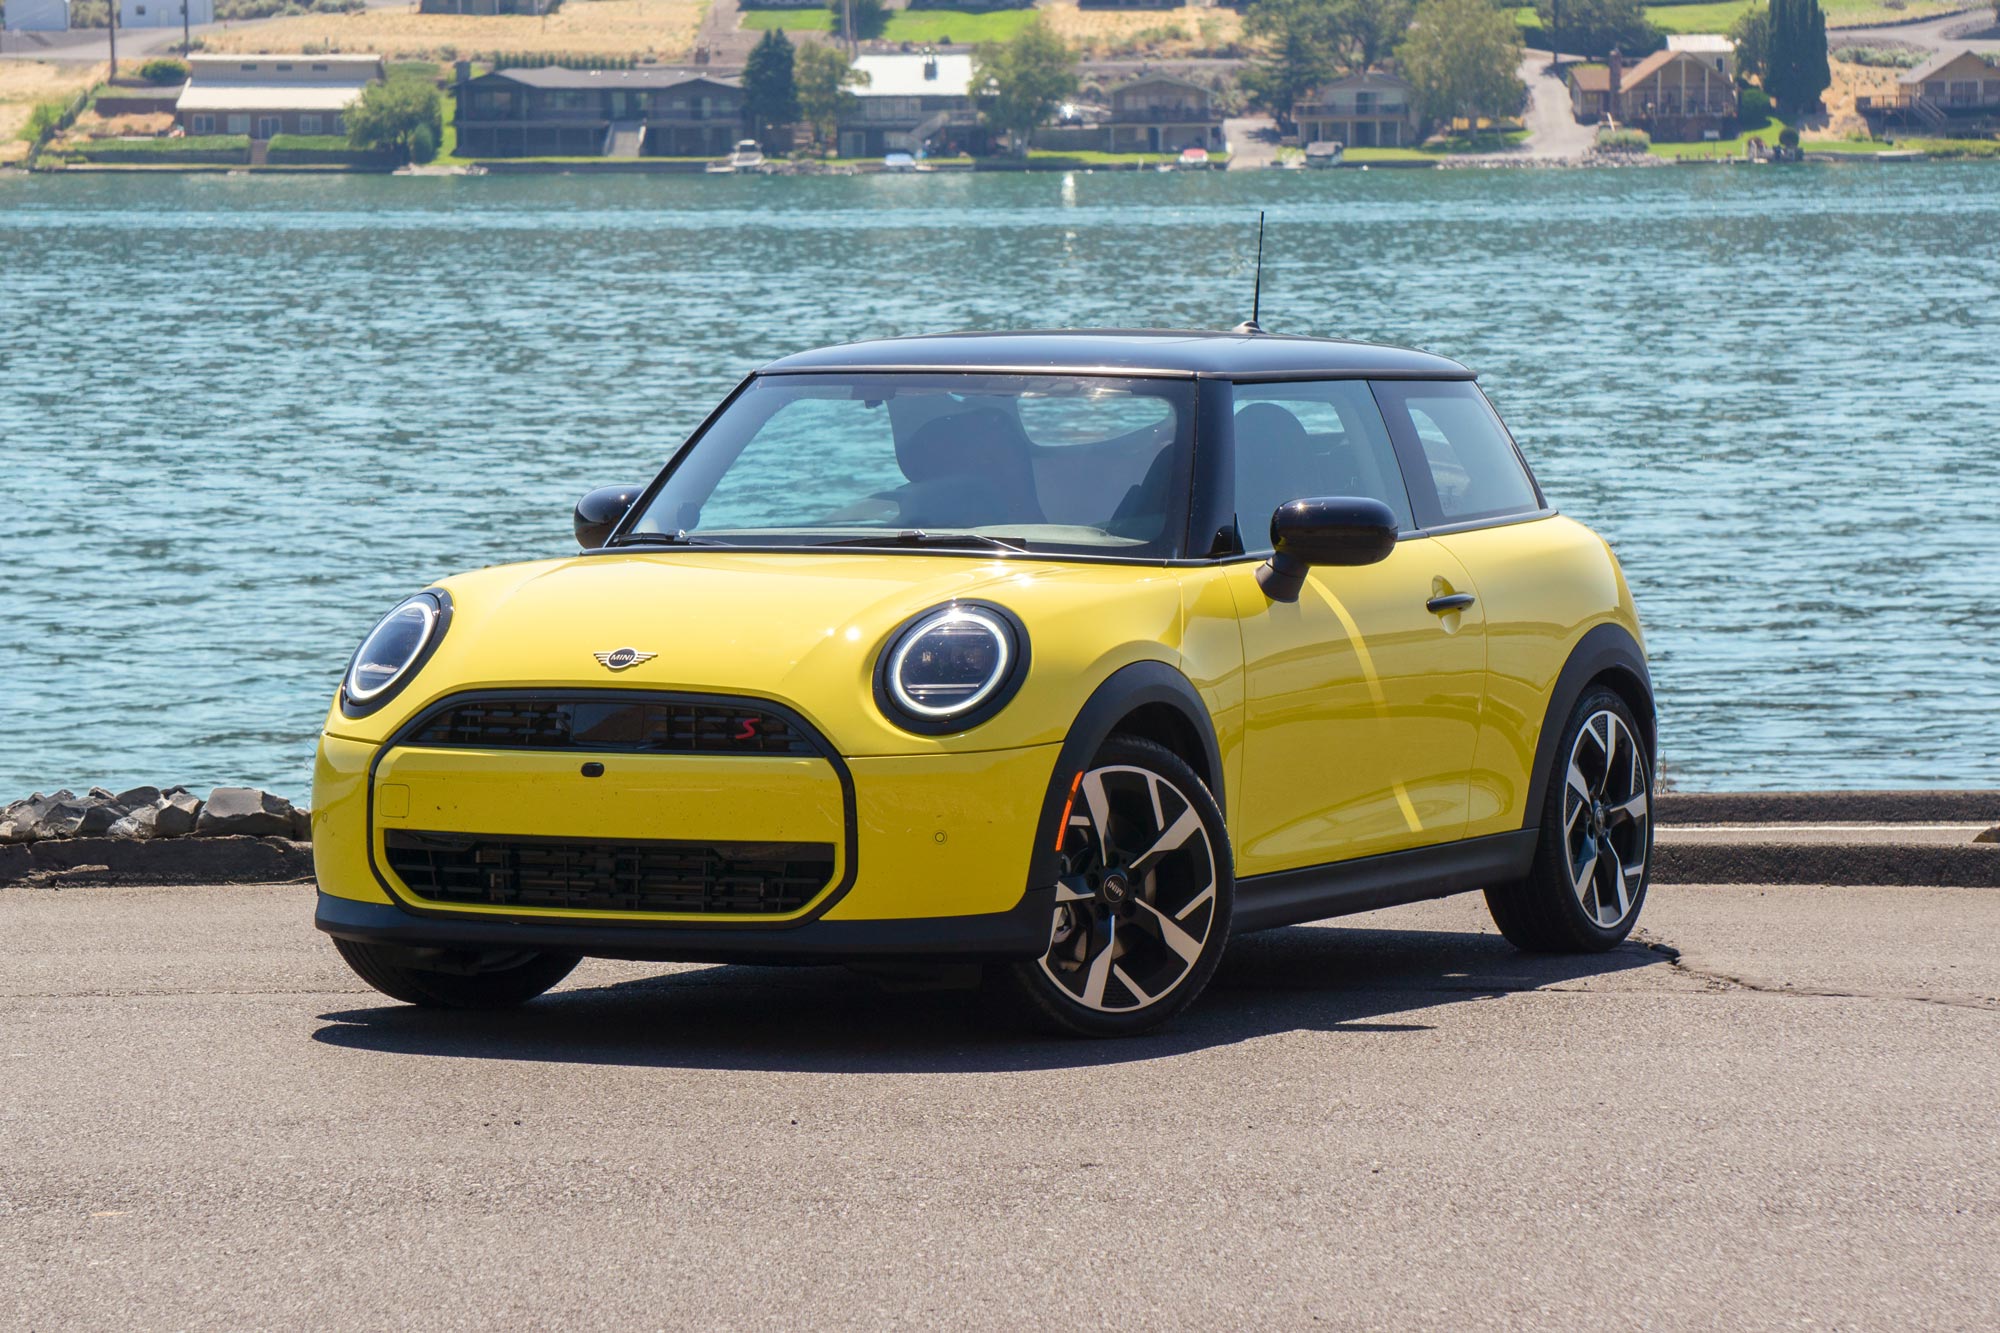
801 628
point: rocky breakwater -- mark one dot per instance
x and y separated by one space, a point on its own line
154 835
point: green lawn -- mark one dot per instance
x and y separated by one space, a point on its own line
905 25
115 150
1482 141
1717 15
1768 132
1087 157
1387 155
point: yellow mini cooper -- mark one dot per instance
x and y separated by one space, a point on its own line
1068 654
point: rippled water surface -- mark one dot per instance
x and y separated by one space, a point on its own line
240 417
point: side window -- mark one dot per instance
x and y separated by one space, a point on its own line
1458 459
1298 440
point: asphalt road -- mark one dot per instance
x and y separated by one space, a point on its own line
1399 1122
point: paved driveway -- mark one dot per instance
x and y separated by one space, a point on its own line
1400 1123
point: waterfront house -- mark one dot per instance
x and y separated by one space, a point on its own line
37 16
554 112
1955 91
1672 95
911 103
265 95
1712 47
1161 114
1372 109
163 13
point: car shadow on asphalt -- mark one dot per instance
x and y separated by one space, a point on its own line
830 1020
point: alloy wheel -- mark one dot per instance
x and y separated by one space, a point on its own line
1607 815
1136 900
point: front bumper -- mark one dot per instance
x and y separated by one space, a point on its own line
1020 932
926 854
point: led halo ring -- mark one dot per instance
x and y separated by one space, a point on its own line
923 629
892 688
434 606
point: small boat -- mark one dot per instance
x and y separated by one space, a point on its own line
1325 153
1194 159
899 163
747 156
722 168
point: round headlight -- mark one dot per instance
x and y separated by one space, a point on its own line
955 665
393 649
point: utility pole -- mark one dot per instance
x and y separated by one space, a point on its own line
187 33
111 26
847 28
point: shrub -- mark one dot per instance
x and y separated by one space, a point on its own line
1788 137
1879 57
1754 106
1623 141
164 69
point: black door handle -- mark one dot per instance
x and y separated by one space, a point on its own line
1451 601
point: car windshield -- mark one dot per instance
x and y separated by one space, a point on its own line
1078 464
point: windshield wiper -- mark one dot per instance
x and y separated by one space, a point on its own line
668 539
940 540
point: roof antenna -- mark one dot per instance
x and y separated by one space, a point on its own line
1251 325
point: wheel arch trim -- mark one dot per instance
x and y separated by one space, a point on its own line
1610 652
1123 692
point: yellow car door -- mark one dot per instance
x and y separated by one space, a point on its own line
1362 698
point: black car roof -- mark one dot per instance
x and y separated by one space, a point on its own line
1131 352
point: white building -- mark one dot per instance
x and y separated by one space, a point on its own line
908 101
266 95
37 15
1711 48
162 13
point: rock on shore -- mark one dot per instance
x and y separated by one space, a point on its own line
145 813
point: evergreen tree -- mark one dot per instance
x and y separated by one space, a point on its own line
871 18
1594 27
1752 35
1797 70
770 93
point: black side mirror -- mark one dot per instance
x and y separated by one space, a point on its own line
598 513
1340 530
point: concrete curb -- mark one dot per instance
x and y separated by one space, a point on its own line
1819 807
210 860
1968 866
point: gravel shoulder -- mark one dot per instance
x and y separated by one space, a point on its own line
1398 1121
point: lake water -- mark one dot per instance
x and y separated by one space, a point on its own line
241 417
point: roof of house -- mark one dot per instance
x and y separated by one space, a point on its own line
1700 43
1651 65
268 96
1366 76
1937 63
1590 78
903 76
1173 80
551 76
1127 351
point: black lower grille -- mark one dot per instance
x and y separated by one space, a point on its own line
606 875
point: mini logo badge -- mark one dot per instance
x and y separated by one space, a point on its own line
620 658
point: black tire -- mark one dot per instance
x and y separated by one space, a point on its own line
474 981
1174 909
1584 892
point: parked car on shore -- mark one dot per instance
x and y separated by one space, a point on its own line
1065 654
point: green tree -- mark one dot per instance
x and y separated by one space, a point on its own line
1464 56
1595 27
1797 71
823 75
871 18
1297 51
1034 71
770 94
1752 34
403 117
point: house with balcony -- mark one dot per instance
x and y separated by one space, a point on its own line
553 112
267 95
1672 95
1955 91
1712 47
912 103
1372 109
1161 114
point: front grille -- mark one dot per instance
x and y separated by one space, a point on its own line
640 726
609 875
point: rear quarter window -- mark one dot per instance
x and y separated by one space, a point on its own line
1459 461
